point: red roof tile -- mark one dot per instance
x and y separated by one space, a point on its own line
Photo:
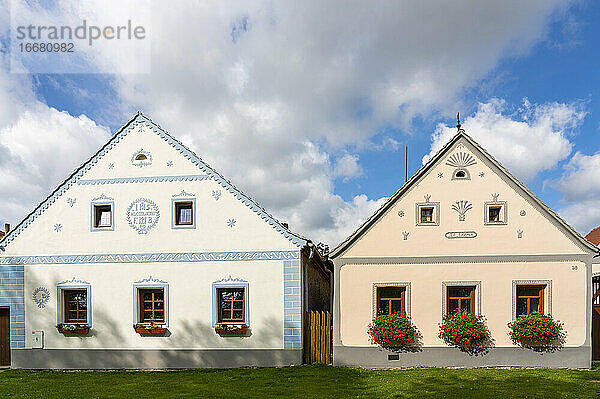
594 236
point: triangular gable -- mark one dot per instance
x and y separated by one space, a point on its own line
416 178
138 119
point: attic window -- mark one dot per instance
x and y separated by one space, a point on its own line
428 214
183 213
102 216
141 157
496 213
461 174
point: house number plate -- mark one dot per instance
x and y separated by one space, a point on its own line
461 234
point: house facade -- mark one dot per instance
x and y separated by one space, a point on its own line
145 257
462 233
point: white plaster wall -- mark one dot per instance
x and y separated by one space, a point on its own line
190 304
212 233
569 292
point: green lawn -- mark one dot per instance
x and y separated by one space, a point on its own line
304 382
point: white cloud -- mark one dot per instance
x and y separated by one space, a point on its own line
580 186
270 92
527 142
39 145
347 167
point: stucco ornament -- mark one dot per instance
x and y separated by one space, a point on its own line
41 296
141 158
462 207
142 215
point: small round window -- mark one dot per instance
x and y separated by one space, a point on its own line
141 157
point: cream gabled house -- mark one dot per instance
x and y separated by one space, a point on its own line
145 257
462 232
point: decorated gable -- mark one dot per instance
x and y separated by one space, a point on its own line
462 202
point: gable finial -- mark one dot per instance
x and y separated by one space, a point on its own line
458 121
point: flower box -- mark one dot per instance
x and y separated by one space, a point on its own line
73 329
466 331
537 331
231 329
149 329
392 331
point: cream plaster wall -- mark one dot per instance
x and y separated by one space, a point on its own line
190 304
569 293
540 235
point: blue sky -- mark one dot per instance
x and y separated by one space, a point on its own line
337 92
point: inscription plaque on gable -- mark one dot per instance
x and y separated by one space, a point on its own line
142 215
461 234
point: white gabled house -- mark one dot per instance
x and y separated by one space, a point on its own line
145 257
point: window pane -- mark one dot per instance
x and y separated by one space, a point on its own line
494 212
105 219
158 305
390 292
453 306
238 294
462 292
225 304
185 215
426 215
226 294
521 306
147 315
147 296
534 305
465 305
238 305
147 305
238 315
396 306
527 290
383 307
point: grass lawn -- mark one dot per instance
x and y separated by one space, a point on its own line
303 382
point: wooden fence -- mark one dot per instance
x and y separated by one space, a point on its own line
318 338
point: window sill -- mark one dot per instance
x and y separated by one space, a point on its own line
73 329
231 329
156 329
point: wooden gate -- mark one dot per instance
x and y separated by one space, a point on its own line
318 338
4 337
596 318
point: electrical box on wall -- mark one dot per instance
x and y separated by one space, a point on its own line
37 339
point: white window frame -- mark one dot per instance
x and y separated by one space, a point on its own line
547 295
503 213
436 213
93 206
150 283
446 284
230 283
72 285
174 201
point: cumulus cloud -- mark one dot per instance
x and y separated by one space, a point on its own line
271 92
580 186
347 167
39 145
532 139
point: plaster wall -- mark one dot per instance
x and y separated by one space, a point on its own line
190 304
